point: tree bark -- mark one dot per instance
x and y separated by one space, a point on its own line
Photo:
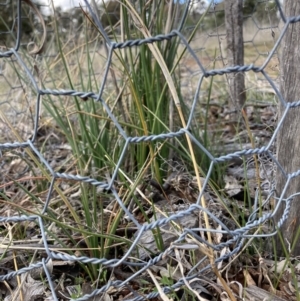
288 142
235 53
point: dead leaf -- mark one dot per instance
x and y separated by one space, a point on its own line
257 294
232 186
248 278
30 289
280 266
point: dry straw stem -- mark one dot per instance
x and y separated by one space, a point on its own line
159 289
159 58
183 277
209 253
16 267
17 294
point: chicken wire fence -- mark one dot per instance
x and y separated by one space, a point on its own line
187 237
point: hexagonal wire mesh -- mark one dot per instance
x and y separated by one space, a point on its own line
25 81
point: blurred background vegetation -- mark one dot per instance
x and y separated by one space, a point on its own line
71 20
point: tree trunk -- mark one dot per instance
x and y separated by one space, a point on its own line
235 53
288 142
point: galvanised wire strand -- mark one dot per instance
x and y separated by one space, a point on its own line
236 237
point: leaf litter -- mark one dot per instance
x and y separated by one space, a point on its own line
250 276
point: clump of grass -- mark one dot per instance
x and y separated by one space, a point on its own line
138 94
141 97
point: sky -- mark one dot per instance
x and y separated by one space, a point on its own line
64 4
